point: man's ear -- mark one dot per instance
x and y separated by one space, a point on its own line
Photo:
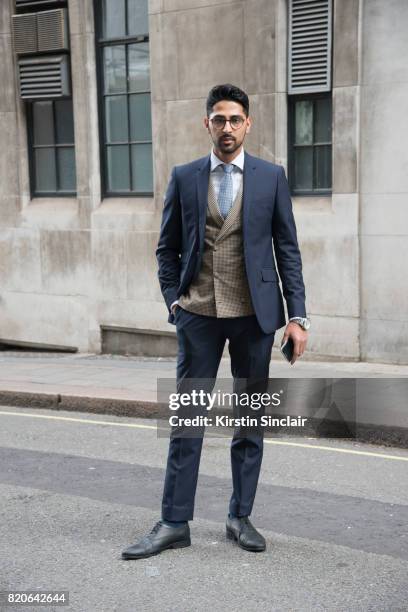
248 127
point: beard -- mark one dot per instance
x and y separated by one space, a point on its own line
227 147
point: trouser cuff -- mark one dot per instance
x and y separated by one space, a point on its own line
177 513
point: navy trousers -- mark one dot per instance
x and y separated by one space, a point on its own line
201 341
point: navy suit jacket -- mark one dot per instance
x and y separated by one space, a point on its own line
267 219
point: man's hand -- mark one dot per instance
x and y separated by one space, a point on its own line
299 337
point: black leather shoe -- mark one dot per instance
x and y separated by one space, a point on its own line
242 531
160 538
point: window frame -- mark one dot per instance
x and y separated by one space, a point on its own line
100 44
292 99
34 193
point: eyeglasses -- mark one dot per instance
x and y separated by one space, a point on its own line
219 122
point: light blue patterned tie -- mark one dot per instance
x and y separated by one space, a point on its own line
225 195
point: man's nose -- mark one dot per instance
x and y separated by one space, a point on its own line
227 127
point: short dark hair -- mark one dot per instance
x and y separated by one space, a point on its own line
227 92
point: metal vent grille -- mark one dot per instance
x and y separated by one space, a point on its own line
52 30
39 32
25 33
310 39
44 77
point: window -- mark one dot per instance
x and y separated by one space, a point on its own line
52 151
310 99
124 87
310 147
310 152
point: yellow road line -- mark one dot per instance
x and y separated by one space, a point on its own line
77 420
338 450
140 426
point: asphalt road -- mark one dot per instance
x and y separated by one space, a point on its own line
76 489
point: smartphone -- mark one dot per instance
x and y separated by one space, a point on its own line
287 350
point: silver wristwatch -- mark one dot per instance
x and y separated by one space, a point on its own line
302 321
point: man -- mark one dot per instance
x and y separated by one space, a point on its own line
217 273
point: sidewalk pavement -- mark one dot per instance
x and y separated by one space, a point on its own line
127 385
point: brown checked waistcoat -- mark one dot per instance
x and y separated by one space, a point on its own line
221 287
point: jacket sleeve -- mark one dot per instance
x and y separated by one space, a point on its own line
169 245
286 248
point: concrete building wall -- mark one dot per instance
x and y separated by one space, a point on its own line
384 181
71 265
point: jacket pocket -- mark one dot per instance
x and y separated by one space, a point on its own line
270 275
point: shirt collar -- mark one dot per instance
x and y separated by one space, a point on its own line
238 161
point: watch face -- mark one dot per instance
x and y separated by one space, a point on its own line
303 322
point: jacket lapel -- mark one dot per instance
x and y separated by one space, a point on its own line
249 190
203 176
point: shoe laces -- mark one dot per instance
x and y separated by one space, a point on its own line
156 527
